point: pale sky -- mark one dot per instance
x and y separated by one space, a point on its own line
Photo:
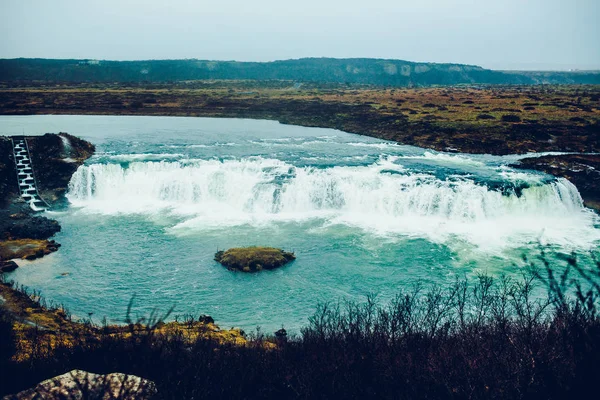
502 34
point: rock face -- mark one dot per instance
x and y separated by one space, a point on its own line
79 384
582 170
252 259
8 178
54 157
27 226
28 249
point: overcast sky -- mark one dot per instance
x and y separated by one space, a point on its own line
501 34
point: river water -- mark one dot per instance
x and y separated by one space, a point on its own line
364 216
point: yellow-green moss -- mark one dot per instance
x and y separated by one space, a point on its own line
39 330
25 248
250 259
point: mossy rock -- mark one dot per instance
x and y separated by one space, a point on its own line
252 259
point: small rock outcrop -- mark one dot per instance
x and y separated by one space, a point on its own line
252 259
25 235
583 170
55 159
79 384
206 319
281 334
27 226
7 266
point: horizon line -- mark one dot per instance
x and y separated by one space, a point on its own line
564 69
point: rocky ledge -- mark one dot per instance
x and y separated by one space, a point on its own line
583 170
55 157
252 259
23 233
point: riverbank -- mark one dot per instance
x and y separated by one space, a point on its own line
34 322
470 341
496 120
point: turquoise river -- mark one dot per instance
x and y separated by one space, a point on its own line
147 213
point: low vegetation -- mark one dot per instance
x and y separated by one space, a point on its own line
461 118
252 259
529 338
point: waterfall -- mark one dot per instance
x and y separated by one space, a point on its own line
66 148
381 196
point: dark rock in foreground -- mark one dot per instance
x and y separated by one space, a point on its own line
251 259
79 384
583 170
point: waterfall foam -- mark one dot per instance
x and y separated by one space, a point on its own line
382 197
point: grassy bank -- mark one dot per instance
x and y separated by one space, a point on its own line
494 119
535 337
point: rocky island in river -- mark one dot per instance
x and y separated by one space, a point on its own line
253 259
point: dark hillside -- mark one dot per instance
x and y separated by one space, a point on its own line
365 71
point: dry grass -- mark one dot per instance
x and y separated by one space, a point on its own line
453 104
551 118
36 322
481 339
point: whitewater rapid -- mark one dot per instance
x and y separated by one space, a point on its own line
383 198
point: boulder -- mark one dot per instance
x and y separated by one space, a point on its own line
252 259
8 266
79 384
206 319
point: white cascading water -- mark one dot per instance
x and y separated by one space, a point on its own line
380 197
